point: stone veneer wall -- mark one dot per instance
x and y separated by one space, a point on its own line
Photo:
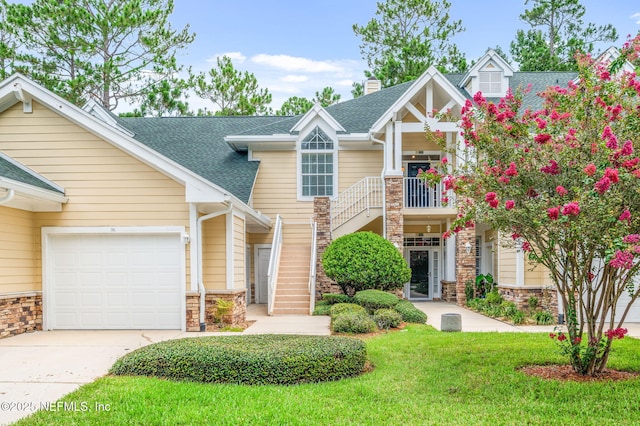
322 217
20 313
237 316
547 297
394 219
448 291
465 263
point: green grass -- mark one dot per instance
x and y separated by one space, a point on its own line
421 377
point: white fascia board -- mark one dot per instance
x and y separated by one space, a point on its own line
32 191
31 172
111 135
491 55
246 142
353 137
430 74
317 111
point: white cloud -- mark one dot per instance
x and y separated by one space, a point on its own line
294 78
236 57
346 83
293 63
636 17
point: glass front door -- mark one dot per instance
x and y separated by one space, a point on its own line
425 276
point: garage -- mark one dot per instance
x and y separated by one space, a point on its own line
114 281
634 311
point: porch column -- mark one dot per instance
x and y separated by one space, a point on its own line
465 262
394 220
322 217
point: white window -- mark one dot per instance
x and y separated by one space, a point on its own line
490 82
317 164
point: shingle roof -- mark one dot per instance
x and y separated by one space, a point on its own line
12 171
197 143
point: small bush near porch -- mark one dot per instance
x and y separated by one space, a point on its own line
421 377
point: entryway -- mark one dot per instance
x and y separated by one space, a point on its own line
425 273
262 255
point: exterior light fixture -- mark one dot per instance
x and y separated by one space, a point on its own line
467 247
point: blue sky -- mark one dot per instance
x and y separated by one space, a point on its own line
296 48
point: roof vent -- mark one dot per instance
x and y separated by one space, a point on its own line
372 85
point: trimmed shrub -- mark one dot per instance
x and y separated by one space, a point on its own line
253 359
387 318
494 298
375 299
410 313
353 322
333 298
364 260
321 308
346 308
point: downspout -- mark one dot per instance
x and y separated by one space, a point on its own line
201 289
8 196
384 188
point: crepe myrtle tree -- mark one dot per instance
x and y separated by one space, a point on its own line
564 183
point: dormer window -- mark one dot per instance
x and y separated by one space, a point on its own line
316 164
490 82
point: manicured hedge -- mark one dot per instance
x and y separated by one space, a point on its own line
253 360
387 318
333 298
375 299
344 308
410 313
353 322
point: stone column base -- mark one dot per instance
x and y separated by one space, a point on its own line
448 291
237 316
20 313
547 297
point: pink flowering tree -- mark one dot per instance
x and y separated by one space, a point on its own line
564 182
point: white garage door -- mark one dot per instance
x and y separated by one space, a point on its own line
115 281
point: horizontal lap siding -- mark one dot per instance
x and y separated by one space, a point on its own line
214 253
105 186
353 166
239 253
507 274
17 246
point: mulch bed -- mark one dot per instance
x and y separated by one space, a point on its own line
565 373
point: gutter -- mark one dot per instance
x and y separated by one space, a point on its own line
201 289
8 196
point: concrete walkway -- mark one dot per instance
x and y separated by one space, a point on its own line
41 367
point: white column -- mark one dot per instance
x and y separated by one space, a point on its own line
388 148
397 149
229 255
450 267
193 246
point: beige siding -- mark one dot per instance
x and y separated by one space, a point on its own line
214 259
239 253
17 251
418 142
507 266
105 186
353 166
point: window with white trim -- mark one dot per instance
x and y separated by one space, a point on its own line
490 82
316 162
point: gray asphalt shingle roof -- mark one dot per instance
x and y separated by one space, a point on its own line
11 171
198 144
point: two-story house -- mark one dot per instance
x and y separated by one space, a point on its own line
143 223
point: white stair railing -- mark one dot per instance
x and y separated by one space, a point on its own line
362 196
274 262
312 268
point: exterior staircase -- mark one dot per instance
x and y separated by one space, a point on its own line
292 290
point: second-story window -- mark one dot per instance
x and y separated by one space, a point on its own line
490 82
317 168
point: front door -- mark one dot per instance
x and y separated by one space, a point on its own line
425 276
262 269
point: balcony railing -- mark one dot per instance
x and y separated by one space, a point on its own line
418 195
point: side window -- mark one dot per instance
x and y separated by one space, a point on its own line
317 164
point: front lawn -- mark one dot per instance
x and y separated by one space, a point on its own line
421 377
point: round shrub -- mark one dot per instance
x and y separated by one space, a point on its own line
333 298
321 308
357 323
375 299
254 360
410 313
364 260
387 318
346 308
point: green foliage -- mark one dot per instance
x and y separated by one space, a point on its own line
165 98
253 359
469 289
557 33
533 302
517 317
333 298
326 97
107 51
353 322
223 307
494 297
364 260
387 318
342 308
543 318
232 91
295 106
321 308
406 37
410 313
375 299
